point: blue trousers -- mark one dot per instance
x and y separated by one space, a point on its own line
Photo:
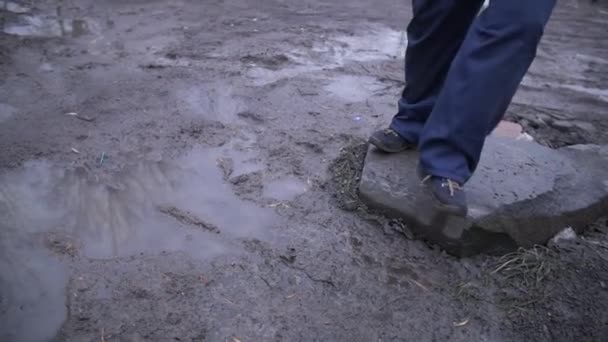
462 70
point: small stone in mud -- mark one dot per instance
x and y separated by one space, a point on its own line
171 55
563 125
251 116
240 179
289 256
316 148
140 293
248 184
568 234
61 244
508 129
227 166
173 318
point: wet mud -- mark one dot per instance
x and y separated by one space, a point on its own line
187 171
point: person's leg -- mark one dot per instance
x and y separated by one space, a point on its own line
481 82
434 34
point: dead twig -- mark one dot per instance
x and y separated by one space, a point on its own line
80 117
462 323
307 93
419 285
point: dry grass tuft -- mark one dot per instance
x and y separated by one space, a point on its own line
527 267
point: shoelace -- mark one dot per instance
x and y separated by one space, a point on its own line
452 186
390 131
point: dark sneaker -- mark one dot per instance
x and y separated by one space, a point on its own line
389 141
449 196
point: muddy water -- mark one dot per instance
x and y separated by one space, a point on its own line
32 288
353 88
6 111
137 210
45 26
148 207
216 102
20 20
373 43
285 189
165 205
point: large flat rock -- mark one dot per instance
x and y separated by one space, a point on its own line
521 195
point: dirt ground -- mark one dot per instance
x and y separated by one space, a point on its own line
186 171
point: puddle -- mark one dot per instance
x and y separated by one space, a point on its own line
6 112
215 103
354 88
285 189
15 7
150 207
600 94
583 70
127 213
262 76
375 43
33 300
239 153
25 24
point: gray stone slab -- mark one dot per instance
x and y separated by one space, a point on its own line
521 195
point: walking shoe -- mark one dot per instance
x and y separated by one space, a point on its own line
389 141
449 196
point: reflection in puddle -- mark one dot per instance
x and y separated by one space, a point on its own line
147 208
239 153
6 111
21 22
215 102
14 7
120 216
285 189
353 88
32 289
262 76
376 43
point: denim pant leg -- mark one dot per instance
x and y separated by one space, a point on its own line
480 84
434 34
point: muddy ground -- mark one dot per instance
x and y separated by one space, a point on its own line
185 171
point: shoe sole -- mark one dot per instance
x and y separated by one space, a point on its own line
449 209
379 145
